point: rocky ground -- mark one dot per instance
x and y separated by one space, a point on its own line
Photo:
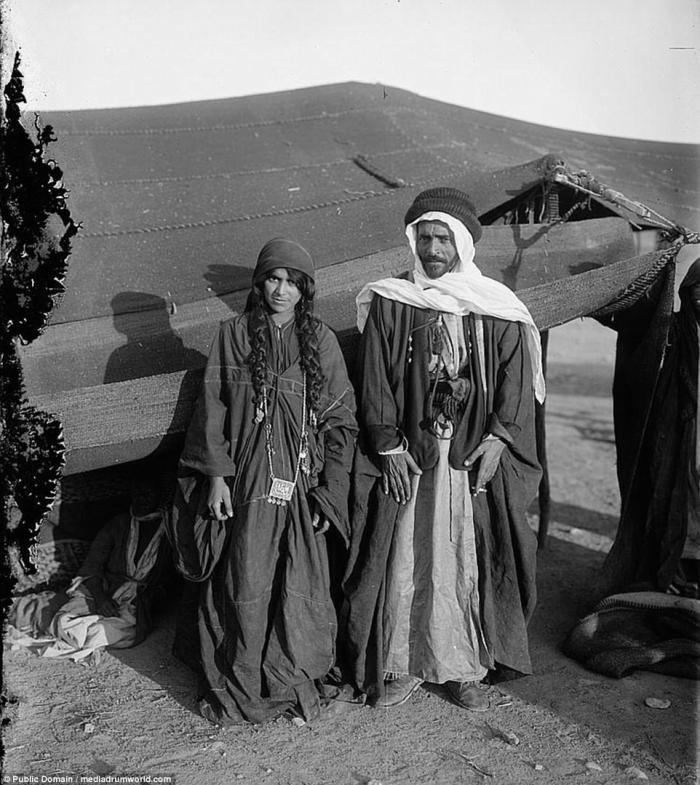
133 712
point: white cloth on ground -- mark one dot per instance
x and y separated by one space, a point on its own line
78 634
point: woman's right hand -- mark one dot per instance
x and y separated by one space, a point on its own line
219 499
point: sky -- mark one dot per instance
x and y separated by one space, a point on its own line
626 68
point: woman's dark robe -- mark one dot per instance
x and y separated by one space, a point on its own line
655 395
266 623
393 393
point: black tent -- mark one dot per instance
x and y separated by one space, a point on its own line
175 202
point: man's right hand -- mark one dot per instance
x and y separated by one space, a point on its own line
219 500
106 606
396 475
103 604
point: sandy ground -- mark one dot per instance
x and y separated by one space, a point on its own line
133 713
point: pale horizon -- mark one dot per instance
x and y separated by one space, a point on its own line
621 68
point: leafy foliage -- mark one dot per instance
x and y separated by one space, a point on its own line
36 239
35 257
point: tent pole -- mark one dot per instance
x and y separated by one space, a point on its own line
544 497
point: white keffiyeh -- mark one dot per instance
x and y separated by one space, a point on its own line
462 291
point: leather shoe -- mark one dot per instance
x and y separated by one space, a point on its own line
398 691
467 695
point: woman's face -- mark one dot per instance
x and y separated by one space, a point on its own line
281 295
695 301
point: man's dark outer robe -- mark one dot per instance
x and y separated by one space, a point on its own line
393 391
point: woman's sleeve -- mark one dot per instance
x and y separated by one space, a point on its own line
207 450
339 427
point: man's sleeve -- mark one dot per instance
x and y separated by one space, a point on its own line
514 384
378 408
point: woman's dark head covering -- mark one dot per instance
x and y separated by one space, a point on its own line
692 276
281 252
689 290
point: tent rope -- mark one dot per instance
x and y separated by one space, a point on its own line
353 196
238 218
585 183
638 288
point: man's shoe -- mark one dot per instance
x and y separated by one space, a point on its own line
398 691
467 695
338 699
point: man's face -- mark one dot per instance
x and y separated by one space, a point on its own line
435 246
145 496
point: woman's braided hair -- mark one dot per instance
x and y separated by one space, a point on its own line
306 328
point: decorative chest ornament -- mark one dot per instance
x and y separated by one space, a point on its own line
281 490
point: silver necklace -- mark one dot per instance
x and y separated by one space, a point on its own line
281 490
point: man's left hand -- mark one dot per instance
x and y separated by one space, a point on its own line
488 453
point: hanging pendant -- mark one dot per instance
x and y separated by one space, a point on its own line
280 491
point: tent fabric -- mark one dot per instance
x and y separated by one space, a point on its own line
176 201
167 338
167 194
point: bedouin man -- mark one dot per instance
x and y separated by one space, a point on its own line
440 582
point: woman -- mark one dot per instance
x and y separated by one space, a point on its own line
657 546
263 474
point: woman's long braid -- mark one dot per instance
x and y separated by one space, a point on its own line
307 335
257 359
